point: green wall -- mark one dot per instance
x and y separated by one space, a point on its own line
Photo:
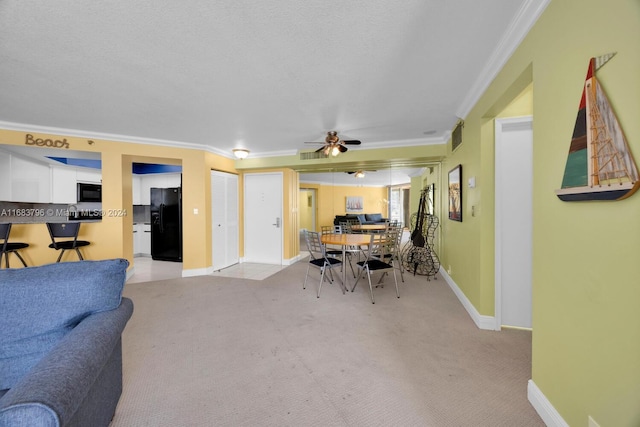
586 287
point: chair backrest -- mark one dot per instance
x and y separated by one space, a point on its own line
394 223
5 229
314 245
345 226
393 238
382 245
62 230
375 248
331 229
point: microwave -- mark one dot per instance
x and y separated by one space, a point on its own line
89 192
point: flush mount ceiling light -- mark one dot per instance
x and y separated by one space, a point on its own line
240 153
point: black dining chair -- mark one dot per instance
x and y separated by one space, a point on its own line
66 230
319 259
380 245
7 247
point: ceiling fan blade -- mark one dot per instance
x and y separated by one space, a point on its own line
319 150
352 142
342 148
310 142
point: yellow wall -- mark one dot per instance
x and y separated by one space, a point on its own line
332 201
306 210
113 236
586 338
586 333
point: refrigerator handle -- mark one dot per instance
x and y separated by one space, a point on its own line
162 217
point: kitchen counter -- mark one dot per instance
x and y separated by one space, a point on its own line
40 213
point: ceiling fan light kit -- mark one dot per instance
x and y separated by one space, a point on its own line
333 145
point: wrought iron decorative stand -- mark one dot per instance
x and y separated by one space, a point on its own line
422 259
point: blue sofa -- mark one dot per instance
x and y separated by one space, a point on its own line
60 344
374 218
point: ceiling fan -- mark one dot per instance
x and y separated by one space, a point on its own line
334 145
360 173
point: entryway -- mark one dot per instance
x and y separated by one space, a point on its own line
263 218
513 221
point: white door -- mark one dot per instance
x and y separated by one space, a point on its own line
224 219
514 221
263 218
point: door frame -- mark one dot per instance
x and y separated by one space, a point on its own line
503 126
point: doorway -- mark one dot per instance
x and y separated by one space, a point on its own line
263 218
307 209
399 205
513 221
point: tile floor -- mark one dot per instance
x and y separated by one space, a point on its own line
249 270
147 270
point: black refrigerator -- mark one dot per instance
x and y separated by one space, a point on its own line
166 224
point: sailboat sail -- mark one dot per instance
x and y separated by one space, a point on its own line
599 165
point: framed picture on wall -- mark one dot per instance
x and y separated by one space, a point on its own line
455 194
355 204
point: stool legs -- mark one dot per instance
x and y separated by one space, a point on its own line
6 258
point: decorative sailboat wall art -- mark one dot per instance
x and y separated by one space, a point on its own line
600 165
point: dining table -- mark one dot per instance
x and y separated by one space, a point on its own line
344 240
369 227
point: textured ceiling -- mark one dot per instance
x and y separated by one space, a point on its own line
265 75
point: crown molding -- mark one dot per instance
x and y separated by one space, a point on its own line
411 142
518 29
24 127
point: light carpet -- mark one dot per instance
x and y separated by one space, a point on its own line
218 351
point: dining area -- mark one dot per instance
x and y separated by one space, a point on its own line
359 249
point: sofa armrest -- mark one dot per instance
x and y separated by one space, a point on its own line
51 392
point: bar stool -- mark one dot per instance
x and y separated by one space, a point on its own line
66 230
10 247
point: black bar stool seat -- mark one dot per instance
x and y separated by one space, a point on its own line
66 230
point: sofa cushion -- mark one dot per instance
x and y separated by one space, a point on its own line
39 305
375 217
361 218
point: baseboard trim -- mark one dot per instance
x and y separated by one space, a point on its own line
543 407
197 272
291 261
130 272
481 321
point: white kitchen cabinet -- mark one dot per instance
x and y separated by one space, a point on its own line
145 194
135 190
141 240
145 240
30 181
172 180
136 240
88 175
63 185
159 180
